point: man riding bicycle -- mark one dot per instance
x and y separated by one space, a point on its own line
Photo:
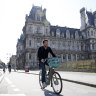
42 56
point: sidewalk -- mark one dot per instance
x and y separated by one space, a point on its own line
84 78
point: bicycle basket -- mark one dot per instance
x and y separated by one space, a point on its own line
54 62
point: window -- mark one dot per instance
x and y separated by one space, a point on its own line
77 47
64 56
47 33
52 33
69 56
29 42
38 18
67 34
58 32
93 46
29 28
92 33
74 57
76 35
78 56
30 56
38 42
88 33
38 29
46 30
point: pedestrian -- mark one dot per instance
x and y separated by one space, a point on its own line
4 67
9 68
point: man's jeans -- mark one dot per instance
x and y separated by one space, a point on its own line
43 68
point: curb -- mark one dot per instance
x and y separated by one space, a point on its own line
81 83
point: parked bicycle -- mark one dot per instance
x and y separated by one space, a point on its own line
52 77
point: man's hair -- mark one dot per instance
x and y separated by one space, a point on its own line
45 41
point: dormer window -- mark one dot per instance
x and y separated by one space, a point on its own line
58 32
67 34
38 18
76 35
52 33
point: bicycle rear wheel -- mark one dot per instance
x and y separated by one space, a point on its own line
57 83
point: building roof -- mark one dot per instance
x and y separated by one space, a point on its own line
33 12
21 39
63 29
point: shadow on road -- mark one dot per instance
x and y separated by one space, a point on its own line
50 93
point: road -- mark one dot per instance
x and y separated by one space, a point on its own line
22 84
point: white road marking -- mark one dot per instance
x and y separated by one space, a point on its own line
13 86
16 89
8 81
1 77
12 95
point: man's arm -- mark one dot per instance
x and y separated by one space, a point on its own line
38 54
50 50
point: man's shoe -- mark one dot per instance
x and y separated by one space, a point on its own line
44 85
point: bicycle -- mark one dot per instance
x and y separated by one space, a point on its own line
52 77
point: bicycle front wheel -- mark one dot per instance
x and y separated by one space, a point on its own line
57 83
40 79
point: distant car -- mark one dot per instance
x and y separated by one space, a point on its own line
26 68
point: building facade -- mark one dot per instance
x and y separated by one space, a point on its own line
13 61
68 43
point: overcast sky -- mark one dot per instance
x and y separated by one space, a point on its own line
12 18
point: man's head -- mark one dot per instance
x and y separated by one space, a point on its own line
45 43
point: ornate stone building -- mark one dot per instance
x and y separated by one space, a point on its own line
68 43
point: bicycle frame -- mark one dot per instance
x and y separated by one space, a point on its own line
51 72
